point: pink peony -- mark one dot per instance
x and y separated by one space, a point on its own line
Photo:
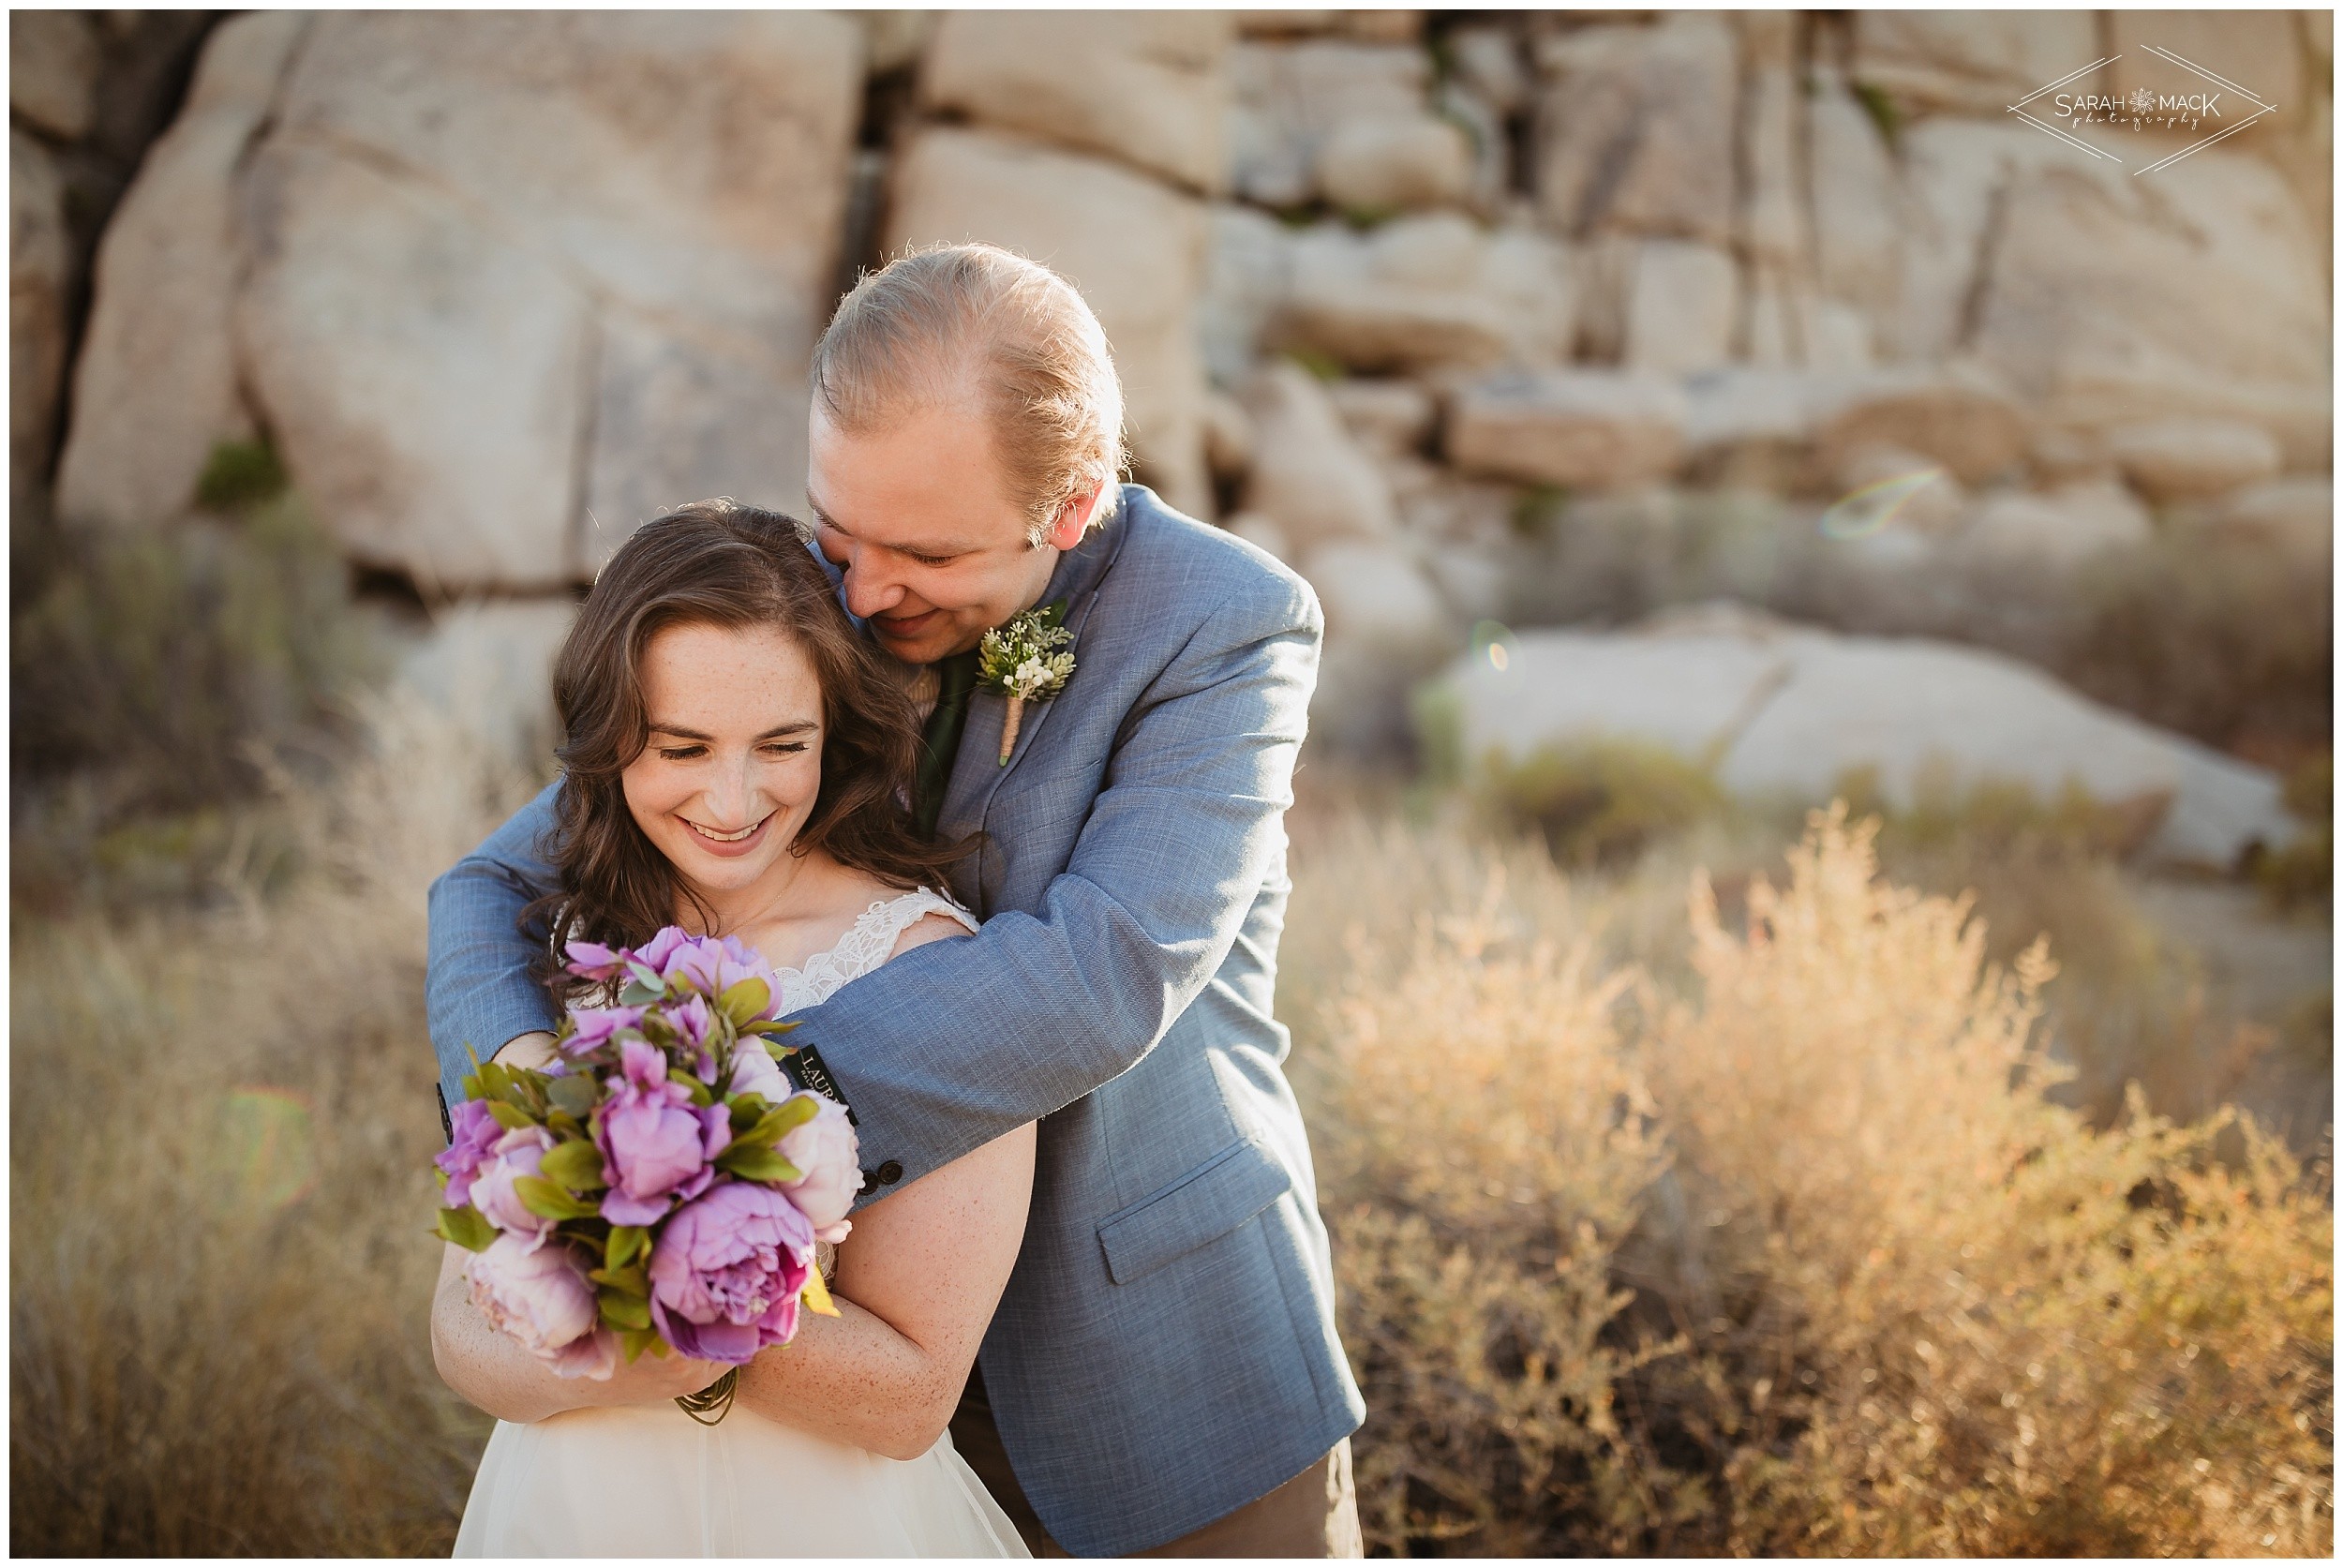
755 1073
655 1144
541 1297
826 1150
725 1273
476 1134
595 1026
521 1152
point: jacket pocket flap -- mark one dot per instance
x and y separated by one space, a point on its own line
1202 1206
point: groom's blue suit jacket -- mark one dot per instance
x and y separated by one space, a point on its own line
1165 1351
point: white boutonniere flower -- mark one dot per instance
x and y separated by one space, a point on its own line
1025 660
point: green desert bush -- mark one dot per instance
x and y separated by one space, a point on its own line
1798 1257
220 1129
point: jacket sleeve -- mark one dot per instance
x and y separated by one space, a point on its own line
478 992
955 1043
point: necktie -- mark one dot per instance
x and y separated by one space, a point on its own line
940 740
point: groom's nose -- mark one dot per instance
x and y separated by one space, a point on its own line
868 591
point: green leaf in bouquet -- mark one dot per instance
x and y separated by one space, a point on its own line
575 1164
563 1125
637 994
769 1027
633 1281
510 1116
622 1310
467 1227
626 1242
746 1109
634 1341
700 1094
743 1000
752 1164
542 1199
576 1094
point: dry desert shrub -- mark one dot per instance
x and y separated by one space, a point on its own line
220 1126
1798 1257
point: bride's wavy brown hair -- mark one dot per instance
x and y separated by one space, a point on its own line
718 564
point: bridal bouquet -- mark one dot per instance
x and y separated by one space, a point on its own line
658 1186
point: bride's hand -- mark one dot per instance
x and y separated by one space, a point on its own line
652 1378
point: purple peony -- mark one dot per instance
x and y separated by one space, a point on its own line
592 961
476 1135
715 964
654 955
725 1273
655 1143
521 1152
826 1150
541 1297
595 1026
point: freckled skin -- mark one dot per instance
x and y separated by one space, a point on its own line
736 743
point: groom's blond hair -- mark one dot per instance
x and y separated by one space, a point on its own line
943 322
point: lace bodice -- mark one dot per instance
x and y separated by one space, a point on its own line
863 947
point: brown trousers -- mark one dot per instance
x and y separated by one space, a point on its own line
1314 1514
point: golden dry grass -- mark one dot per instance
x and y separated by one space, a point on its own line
1652 1234
1797 1259
220 1135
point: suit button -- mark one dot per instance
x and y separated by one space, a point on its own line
890 1173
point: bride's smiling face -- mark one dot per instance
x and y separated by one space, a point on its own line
734 759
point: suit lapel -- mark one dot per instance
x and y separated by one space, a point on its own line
977 773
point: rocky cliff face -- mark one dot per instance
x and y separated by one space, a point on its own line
498 287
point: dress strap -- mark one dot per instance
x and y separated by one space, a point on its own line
874 935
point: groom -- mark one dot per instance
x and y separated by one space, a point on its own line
1163 1375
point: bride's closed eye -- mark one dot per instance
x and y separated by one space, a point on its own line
689 753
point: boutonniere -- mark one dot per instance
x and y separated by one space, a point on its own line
1025 660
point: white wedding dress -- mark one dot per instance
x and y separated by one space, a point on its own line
649 1481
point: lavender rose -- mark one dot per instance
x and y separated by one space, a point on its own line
826 1150
655 1144
476 1134
521 1151
541 1297
725 1273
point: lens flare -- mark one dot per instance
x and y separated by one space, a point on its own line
1493 643
268 1143
1867 511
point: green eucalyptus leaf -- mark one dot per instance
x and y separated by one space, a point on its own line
634 1341
576 1094
637 994
510 1116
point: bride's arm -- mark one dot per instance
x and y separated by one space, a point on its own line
915 1286
492 1372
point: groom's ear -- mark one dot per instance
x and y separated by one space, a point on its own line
1073 518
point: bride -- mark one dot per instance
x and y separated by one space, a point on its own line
738 762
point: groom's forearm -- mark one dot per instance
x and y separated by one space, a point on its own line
952 1044
479 994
